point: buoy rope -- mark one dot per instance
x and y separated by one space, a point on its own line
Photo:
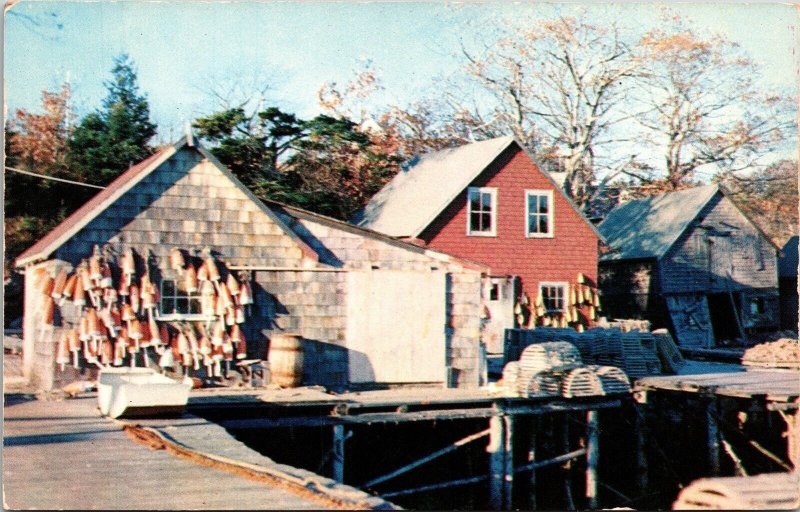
45 177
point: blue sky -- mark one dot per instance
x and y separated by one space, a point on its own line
182 47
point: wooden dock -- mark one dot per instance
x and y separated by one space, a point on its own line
64 455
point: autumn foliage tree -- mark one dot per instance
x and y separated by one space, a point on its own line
702 105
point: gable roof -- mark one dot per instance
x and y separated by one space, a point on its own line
49 243
427 184
298 214
647 228
787 264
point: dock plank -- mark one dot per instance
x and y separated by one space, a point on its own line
62 455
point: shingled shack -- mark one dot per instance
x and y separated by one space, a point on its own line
370 309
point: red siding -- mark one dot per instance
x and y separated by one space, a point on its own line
573 248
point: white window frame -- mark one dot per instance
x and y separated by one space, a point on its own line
162 315
555 284
550 214
493 215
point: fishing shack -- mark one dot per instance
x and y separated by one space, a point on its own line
177 263
693 262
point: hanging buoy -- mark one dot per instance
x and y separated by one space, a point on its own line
62 352
241 347
59 283
190 279
74 343
567 315
573 299
163 333
47 286
79 298
592 313
69 286
86 279
135 299
176 260
124 287
245 294
233 285
128 264
539 301
219 306
236 334
213 271
597 301
230 317
202 272
227 300
95 273
106 281
127 313
49 311
93 322
106 353
579 328
239 313
581 278
205 345
219 333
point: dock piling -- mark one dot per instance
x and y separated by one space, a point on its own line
592 457
712 438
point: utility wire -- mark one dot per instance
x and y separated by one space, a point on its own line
43 176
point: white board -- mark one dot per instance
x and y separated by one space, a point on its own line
396 326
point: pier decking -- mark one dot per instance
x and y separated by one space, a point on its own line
64 455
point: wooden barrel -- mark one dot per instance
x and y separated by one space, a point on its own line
286 359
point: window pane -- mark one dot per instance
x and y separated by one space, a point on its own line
167 305
474 221
542 204
168 287
474 200
543 224
194 306
486 201
182 306
486 222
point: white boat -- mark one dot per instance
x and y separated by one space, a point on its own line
140 392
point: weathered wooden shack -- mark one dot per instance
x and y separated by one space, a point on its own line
787 274
489 202
370 308
690 261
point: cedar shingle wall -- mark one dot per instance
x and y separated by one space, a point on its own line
751 259
173 207
573 249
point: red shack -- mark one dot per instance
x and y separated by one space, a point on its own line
490 203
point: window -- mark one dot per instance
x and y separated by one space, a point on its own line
481 211
178 302
553 296
539 213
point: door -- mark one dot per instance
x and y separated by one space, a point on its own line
498 295
691 320
396 326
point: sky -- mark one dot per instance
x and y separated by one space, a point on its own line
181 49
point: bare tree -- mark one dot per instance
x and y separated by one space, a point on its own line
704 106
558 87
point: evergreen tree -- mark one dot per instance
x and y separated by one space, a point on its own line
108 141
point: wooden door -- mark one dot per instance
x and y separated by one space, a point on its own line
396 326
498 298
691 320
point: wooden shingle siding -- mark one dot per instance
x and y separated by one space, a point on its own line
196 207
692 264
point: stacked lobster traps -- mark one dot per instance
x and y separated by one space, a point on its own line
556 369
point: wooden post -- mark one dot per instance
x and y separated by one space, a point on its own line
339 438
640 424
508 466
496 462
532 459
712 437
592 457
792 419
570 503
